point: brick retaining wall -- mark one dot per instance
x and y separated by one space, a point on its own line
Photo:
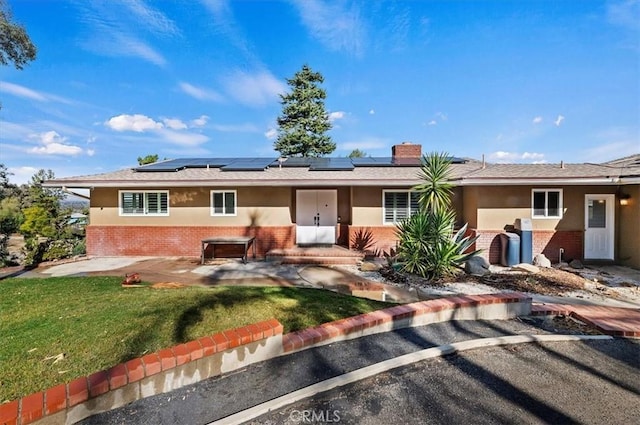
233 349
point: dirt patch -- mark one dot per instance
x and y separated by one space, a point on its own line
545 282
562 325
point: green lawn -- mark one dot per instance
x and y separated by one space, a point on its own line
98 324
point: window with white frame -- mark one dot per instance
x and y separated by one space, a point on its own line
398 205
546 203
144 202
223 202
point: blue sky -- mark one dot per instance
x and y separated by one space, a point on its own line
521 81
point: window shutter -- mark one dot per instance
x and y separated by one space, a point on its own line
389 206
218 202
415 204
229 203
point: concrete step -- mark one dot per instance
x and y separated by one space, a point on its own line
311 259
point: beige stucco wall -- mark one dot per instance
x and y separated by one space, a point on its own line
629 228
257 206
494 207
367 204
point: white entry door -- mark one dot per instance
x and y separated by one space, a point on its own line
316 216
599 215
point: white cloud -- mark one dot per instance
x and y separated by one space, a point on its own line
437 118
91 152
271 134
537 120
337 115
21 91
337 26
56 149
183 138
114 33
138 123
254 89
199 92
174 124
612 143
516 157
441 116
624 13
533 155
21 174
130 46
559 120
49 137
200 121
153 19
226 24
53 144
372 112
171 131
236 128
25 92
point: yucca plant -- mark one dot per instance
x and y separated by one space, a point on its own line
428 244
436 187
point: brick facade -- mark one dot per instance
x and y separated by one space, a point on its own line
545 242
406 150
373 239
179 241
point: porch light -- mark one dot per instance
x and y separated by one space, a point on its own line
624 199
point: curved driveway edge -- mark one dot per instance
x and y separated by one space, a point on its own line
387 365
197 360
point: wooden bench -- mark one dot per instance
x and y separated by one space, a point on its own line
230 240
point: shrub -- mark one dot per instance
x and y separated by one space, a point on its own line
428 245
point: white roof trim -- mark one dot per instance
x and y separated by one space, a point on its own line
529 181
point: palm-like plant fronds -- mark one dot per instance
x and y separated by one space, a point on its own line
436 187
428 244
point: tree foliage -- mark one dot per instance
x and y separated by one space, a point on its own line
428 245
6 188
148 159
15 45
357 153
11 216
304 121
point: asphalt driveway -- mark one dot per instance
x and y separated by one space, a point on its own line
594 382
550 382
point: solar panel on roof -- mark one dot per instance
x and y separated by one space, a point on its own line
296 162
208 162
170 165
248 164
331 164
372 162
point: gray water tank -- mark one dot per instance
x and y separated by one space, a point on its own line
510 249
524 228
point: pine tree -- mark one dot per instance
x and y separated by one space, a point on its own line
15 45
304 121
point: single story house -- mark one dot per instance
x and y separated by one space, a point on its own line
578 211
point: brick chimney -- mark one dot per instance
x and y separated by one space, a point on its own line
406 150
